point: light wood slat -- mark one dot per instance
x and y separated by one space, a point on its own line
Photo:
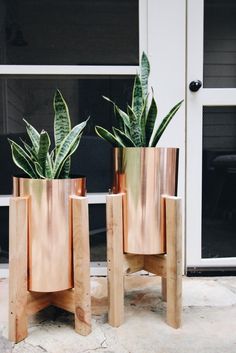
115 260
155 264
64 299
174 261
132 263
81 258
18 269
37 301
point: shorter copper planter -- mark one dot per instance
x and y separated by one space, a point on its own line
143 174
50 236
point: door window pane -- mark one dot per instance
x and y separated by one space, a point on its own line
69 32
219 43
219 182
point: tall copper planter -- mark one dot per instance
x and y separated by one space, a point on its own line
143 175
50 236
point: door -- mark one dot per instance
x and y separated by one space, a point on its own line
211 134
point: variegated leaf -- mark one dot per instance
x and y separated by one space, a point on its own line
66 145
150 121
145 70
135 128
22 159
137 98
62 124
164 124
44 144
106 135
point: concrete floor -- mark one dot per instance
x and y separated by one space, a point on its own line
209 321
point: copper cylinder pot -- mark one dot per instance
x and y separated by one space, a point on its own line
50 235
143 174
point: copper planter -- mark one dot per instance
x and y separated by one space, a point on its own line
50 237
143 175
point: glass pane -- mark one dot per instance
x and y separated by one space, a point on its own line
219 43
219 182
32 99
69 32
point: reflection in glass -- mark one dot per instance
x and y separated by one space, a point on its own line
219 182
69 32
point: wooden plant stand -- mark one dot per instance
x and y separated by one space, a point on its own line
168 265
22 302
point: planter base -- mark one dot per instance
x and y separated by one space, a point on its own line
168 265
22 302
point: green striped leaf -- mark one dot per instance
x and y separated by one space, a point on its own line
137 98
143 121
123 138
22 159
44 144
121 115
150 121
135 129
33 135
39 170
64 172
145 70
30 150
164 124
62 124
106 135
66 145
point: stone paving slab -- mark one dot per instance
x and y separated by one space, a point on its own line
209 321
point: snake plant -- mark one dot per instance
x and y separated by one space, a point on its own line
36 160
137 127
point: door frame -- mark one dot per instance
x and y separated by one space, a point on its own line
195 103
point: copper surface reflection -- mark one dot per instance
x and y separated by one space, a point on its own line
143 175
50 236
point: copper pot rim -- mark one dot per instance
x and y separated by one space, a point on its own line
78 177
147 148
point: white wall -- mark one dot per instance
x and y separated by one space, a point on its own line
167 50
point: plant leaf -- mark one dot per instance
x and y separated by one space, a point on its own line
145 70
22 159
33 135
66 145
30 150
143 121
39 170
150 121
135 129
123 138
120 113
44 144
62 124
106 135
164 124
137 98
65 171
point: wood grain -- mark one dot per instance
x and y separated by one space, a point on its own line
174 261
18 280
81 258
115 258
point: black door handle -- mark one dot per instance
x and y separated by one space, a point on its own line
194 86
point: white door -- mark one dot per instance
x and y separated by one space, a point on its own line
211 134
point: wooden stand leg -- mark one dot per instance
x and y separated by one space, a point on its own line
174 261
115 256
81 256
18 320
163 289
